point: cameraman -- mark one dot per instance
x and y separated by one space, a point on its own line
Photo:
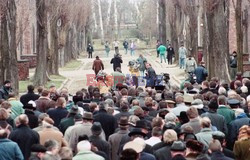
116 61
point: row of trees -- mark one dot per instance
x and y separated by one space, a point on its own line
63 29
205 23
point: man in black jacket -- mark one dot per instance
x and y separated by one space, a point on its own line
29 96
90 50
24 136
116 61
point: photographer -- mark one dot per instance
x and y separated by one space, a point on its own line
116 61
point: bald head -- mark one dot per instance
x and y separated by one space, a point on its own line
22 120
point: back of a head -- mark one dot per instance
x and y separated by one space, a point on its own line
103 106
30 88
222 100
23 119
179 99
169 136
205 122
45 93
84 146
129 154
51 144
215 146
66 153
61 102
192 112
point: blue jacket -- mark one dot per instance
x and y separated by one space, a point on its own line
9 150
201 74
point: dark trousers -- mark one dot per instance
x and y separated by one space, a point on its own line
158 52
90 54
135 81
170 59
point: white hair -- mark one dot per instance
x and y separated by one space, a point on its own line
84 146
222 91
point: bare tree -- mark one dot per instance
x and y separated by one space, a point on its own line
216 44
8 55
40 77
162 22
100 20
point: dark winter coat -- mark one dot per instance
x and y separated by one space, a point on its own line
163 153
234 128
151 77
65 123
107 121
90 49
219 156
33 120
25 138
201 74
116 61
4 93
101 144
27 97
57 115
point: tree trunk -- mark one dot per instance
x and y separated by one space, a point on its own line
8 45
116 18
216 39
53 62
162 22
100 20
40 77
239 35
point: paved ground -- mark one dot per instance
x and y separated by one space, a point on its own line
77 79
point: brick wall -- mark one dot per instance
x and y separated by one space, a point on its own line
23 69
31 58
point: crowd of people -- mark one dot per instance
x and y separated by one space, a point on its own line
209 120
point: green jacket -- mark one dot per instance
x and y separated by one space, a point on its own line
16 108
87 155
227 113
162 49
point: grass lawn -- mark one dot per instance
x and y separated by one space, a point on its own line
71 65
57 80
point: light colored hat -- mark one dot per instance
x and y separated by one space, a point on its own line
244 89
197 103
138 144
33 103
188 98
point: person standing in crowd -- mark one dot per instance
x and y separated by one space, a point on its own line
5 90
158 43
170 52
150 76
132 48
233 65
8 149
116 61
90 50
29 96
190 64
142 61
134 71
201 73
116 45
182 56
125 45
107 48
162 51
97 65
24 136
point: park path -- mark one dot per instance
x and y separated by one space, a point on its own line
77 79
